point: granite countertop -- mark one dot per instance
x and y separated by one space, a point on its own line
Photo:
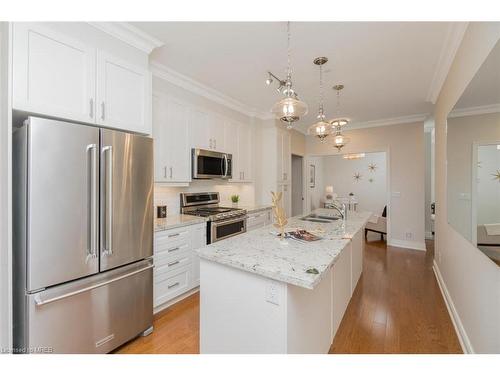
176 221
262 253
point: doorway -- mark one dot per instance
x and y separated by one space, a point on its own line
297 185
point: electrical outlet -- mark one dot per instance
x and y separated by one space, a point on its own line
272 292
409 235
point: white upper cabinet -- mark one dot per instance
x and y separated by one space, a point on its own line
171 138
53 74
58 76
122 95
200 129
245 152
217 141
231 147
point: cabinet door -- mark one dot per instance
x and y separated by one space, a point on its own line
160 137
53 74
123 92
200 129
245 151
217 133
231 146
177 142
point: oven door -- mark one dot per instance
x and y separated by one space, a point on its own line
220 230
211 164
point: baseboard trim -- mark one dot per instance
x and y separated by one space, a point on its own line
173 301
452 311
413 245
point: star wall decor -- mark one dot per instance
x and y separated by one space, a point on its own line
370 179
357 176
479 164
372 167
496 175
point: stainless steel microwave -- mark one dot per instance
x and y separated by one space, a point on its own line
211 164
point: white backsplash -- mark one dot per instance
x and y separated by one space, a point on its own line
171 195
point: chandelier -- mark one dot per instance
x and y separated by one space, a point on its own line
290 108
321 129
339 140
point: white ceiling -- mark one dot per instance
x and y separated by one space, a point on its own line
484 89
387 68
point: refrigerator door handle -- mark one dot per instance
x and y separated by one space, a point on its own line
92 203
108 225
40 302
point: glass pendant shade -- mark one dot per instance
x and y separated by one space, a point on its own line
289 109
339 122
339 141
321 129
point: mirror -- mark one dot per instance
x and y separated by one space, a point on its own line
473 160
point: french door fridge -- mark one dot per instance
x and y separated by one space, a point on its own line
83 237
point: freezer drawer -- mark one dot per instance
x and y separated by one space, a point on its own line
94 315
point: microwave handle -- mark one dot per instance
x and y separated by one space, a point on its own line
226 165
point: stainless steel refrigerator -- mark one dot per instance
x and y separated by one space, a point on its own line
83 237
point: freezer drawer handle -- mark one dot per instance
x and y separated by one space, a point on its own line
173 263
39 302
173 235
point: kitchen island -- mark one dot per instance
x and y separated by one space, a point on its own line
262 295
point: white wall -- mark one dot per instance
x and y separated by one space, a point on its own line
429 170
404 145
471 280
339 172
297 183
5 194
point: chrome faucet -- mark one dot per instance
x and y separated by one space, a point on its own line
342 210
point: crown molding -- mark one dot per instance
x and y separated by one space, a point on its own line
163 72
387 122
453 38
471 111
129 34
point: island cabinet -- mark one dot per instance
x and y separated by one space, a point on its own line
259 219
248 307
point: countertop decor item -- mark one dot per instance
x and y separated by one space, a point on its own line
235 199
279 214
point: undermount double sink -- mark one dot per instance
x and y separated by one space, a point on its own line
319 218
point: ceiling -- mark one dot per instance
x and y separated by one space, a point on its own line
484 89
387 68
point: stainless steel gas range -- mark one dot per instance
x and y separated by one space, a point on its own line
223 222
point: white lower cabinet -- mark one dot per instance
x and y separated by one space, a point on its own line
258 219
176 262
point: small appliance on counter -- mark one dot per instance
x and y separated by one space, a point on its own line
223 222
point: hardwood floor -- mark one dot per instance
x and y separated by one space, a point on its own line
397 307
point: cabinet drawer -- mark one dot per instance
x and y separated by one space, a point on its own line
169 238
171 284
167 264
257 220
173 249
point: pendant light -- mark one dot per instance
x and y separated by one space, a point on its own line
289 109
321 129
339 140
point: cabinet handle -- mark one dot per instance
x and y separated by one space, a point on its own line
215 143
173 249
284 176
243 174
102 111
211 143
165 172
170 172
91 109
173 285
173 263
173 235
